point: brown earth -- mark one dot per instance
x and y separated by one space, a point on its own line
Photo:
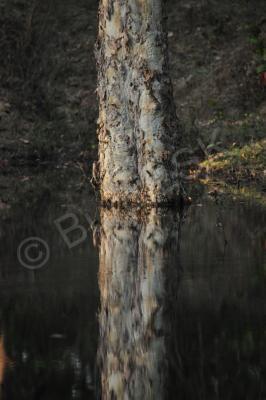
48 105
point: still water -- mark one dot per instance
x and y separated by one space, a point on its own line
156 305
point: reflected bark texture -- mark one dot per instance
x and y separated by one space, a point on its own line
138 268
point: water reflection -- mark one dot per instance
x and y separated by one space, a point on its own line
182 316
138 270
181 313
5 362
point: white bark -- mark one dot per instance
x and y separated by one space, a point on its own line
138 128
137 262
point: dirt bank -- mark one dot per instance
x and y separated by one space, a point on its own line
48 107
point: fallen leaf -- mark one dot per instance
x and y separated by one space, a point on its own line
57 336
25 178
25 141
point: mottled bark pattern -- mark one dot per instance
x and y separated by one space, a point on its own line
138 259
137 128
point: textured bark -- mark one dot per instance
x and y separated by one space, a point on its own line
138 129
137 262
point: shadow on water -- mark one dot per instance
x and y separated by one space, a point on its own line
166 306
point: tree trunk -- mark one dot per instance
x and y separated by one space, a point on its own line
138 273
138 129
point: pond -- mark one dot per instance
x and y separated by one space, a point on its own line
160 304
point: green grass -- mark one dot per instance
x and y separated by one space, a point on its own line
245 163
239 172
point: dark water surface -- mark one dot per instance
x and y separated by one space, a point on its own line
164 305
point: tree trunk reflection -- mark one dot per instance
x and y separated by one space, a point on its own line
138 270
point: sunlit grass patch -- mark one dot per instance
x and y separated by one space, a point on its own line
238 163
239 172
